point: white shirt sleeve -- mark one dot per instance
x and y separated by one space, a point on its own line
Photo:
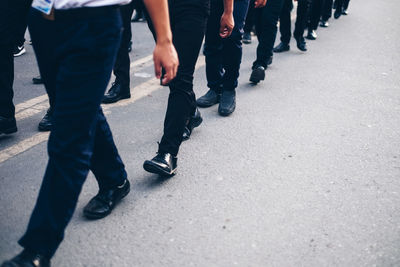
69 4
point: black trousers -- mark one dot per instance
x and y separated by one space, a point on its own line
224 56
315 14
250 18
83 43
13 15
266 19
122 63
342 4
285 20
326 12
188 24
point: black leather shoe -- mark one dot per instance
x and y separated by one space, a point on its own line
209 99
27 259
227 103
37 80
116 93
312 35
257 75
324 24
301 44
8 125
337 13
269 62
247 38
105 201
194 122
46 123
138 17
281 47
163 164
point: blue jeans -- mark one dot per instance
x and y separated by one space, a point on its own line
223 56
82 44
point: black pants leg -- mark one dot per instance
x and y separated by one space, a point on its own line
188 22
315 14
285 21
223 56
339 5
13 14
80 138
302 17
7 108
250 18
122 63
266 27
346 4
327 10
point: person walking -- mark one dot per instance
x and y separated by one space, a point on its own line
223 55
82 38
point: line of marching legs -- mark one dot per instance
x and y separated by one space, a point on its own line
78 43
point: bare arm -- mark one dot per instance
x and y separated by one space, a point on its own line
227 22
164 54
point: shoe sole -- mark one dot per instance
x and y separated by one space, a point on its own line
281 51
9 130
246 42
153 168
96 216
108 101
203 105
311 38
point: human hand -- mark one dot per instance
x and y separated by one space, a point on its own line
165 56
226 25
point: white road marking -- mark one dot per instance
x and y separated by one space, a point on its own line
23 146
38 104
31 106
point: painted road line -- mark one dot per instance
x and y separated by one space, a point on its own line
38 104
142 90
23 146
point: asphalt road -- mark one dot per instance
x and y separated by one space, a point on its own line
306 172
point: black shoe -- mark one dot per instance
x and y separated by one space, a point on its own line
138 17
282 47
19 50
337 14
194 122
116 93
209 99
247 38
227 103
163 164
257 75
344 12
46 123
324 24
27 259
312 35
37 80
301 44
269 62
105 201
8 125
